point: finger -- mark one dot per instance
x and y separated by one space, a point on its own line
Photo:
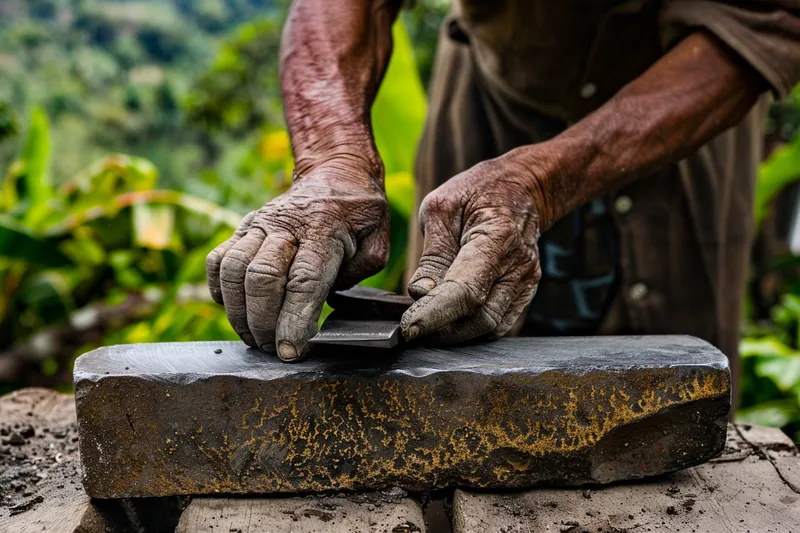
465 287
214 258
439 250
487 318
232 273
369 259
311 277
264 286
515 309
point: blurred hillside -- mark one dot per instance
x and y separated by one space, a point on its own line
133 138
112 76
128 76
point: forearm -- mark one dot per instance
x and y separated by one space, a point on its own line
333 57
689 96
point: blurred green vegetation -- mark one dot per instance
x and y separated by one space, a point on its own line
112 250
101 249
770 387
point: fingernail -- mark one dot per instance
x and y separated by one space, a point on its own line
412 333
426 284
287 351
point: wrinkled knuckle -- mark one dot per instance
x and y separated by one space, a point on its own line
262 270
434 262
471 295
261 280
433 205
233 267
305 280
377 256
213 259
492 313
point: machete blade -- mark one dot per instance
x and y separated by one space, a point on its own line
367 333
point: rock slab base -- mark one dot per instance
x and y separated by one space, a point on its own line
218 418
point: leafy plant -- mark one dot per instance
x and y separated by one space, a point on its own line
781 169
770 385
8 122
103 234
398 117
770 381
107 257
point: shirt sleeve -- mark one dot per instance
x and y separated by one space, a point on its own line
765 33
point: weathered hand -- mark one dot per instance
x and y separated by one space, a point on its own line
480 264
331 229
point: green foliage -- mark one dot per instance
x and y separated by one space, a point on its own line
770 387
424 21
35 160
240 91
781 170
8 122
108 231
398 117
17 243
783 166
103 233
110 75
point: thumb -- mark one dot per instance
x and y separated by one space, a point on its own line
439 250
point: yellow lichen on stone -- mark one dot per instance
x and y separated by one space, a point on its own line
344 433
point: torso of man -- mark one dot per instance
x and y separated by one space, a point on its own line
672 247
540 54
560 57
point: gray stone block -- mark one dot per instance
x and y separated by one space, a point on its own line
180 418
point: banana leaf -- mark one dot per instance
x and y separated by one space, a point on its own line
18 243
36 159
153 225
781 169
109 209
398 118
398 114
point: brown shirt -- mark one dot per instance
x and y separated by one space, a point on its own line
516 72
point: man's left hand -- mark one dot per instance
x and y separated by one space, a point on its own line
480 264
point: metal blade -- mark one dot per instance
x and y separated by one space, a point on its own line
368 333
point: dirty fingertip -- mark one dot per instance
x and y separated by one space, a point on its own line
421 287
287 351
412 332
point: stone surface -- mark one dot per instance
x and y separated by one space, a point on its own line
180 418
365 513
741 491
40 487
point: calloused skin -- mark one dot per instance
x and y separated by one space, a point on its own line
480 263
275 272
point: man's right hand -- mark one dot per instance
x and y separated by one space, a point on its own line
330 230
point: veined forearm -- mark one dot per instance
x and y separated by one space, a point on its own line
333 56
689 96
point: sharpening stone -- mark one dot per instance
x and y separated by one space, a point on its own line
217 417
